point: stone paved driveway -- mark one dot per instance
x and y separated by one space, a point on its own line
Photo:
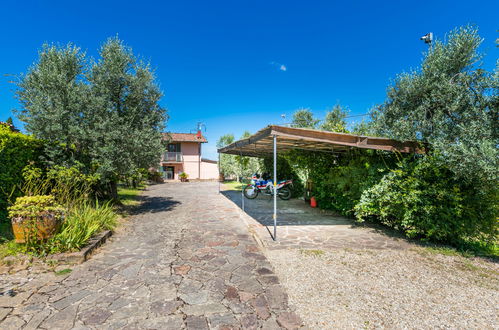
186 260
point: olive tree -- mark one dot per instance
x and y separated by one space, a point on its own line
450 103
103 113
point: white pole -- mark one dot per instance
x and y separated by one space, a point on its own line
242 185
275 187
219 173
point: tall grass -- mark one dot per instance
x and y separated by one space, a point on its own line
82 222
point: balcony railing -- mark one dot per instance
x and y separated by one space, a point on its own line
172 157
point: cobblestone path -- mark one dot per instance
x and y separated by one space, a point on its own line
186 260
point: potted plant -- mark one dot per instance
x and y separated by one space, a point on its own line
183 177
35 218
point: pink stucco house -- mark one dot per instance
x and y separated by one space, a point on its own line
183 154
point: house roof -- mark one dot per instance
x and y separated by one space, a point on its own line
184 137
261 143
206 160
12 128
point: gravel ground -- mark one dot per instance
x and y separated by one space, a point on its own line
412 289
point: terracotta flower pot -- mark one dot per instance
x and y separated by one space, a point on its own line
41 227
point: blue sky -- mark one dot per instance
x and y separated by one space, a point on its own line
239 65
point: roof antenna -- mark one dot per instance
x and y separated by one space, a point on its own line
199 128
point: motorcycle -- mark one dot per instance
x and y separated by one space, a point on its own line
265 186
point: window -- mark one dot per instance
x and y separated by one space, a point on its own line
174 147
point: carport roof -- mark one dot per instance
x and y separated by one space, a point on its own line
261 143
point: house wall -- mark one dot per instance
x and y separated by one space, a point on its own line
209 170
191 163
191 154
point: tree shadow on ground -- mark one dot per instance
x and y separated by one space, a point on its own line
153 204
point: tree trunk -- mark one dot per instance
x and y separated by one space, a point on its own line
113 190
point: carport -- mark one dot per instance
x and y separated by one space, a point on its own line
273 138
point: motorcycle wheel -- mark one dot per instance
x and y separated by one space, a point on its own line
250 192
284 193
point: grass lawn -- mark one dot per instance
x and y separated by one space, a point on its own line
128 196
233 185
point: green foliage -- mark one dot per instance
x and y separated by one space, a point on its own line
335 120
183 175
285 171
363 127
104 114
233 165
154 175
68 185
33 207
128 195
339 180
16 151
136 177
227 162
63 271
451 103
304 118
127 119
81 224
425 200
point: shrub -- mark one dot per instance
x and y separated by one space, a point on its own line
339 180
68 185
81 224
425 200
33 206
154 175
16 151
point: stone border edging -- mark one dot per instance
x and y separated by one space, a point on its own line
83 255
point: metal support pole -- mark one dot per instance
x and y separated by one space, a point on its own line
219 176
275 188
242 185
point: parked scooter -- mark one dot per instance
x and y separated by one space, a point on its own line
263 184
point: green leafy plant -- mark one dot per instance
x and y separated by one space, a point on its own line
183 176
33 206
81 224
68 185
425 200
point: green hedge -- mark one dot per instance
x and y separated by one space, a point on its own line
424 200
415 194
339 180
16 151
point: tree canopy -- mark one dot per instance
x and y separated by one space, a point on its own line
335 120
451 103
104 112
304 118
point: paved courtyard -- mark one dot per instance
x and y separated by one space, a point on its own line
184 260
302 227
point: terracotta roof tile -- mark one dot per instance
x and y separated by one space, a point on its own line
184 137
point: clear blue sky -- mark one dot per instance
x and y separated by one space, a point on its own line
219 62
